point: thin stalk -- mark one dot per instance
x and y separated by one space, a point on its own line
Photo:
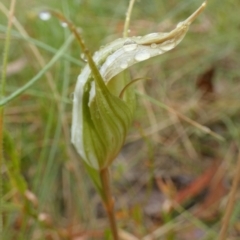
108 201
2 92
230 203
97 76
128 17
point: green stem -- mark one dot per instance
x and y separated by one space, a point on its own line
1 163
6 49
128 17
108 201
2 92
97 76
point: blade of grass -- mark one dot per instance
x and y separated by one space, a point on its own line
128 17
231 202
150 112
41 94
178 223
40 44
50 79
36 53
192 153
2 93
40 73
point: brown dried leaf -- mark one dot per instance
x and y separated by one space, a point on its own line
208 209
205 82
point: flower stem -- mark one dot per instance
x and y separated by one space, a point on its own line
108 201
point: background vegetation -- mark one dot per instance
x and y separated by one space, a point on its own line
164 152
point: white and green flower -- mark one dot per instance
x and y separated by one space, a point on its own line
101 118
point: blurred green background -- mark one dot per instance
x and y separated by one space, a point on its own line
160 143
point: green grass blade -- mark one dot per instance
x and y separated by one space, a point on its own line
39 75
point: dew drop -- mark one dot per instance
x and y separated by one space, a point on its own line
64 24
141 56
128 41
153 45
83 57
44 15
124 65
160 51
168 45
129 45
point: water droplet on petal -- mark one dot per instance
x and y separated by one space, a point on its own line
44 15
64 24
141 56
124 65
153 45
160 51
168 45
83 57
129 45
128 41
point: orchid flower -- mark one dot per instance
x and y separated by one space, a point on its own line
101 118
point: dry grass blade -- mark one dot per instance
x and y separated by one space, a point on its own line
181 116
161 231
185 139
150 112
126 236
231 202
